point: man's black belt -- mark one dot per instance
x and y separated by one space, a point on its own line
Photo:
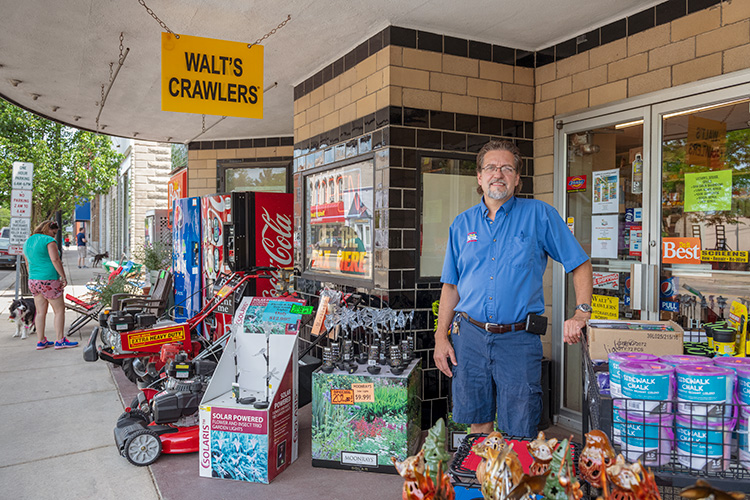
494 327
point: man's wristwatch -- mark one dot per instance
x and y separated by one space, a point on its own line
584 307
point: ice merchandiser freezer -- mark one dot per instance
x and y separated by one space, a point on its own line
186 257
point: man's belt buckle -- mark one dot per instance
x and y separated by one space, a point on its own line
487 327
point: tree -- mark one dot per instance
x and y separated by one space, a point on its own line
69 164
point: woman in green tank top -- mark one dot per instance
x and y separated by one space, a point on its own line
47 282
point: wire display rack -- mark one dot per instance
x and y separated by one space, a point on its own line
679 443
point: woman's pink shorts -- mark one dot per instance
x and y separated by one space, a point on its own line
50 289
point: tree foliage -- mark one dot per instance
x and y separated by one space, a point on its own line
69 164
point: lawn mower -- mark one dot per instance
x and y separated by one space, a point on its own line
137 338
164 417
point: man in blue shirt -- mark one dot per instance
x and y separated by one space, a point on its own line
492 280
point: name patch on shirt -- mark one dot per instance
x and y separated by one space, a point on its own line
471 237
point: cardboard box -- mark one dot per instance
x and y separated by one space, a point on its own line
360 420
603 341
238 441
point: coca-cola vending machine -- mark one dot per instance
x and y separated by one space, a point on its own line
258 232
215 210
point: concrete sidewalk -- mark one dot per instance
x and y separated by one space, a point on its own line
57 415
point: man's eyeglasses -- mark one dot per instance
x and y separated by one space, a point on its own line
505 169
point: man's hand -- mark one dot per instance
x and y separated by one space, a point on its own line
573 326
443 351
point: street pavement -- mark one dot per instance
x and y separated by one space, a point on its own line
57 413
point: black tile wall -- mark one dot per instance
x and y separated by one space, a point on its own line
642 21
424 40
243 143
429 41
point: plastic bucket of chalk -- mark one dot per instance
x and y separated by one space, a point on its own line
704 444
743 388
615 358
617 426
648 438
732 362
705 391
743 443
647 386
685 359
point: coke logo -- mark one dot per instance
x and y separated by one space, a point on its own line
277 245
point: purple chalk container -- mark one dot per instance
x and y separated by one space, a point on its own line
732 362
647 386
704 444
743 390
615 358
705 391
685 359
647 438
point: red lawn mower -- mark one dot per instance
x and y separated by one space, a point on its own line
147 344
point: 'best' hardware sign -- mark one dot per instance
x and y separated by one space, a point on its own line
212 77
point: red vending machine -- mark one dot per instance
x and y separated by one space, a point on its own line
257 231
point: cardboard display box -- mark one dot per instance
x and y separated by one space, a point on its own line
238 441
360 421
656 341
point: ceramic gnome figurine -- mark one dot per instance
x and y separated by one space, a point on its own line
596 456
541 450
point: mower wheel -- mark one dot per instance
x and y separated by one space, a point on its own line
136 414
143 448
133 371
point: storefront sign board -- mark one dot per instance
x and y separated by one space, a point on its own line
210 76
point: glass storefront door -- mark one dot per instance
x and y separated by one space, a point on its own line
705 212
659 196
606 187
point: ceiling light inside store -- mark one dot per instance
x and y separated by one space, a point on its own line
705 108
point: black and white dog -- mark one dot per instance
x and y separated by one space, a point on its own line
23 312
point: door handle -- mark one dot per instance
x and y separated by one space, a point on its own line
637 286
653 288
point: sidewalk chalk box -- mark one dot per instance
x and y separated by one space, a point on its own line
350 433
237 441
603 341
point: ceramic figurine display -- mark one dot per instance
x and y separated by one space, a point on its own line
495 441
596 456
420 483
434 448
703 489
631 481
541 450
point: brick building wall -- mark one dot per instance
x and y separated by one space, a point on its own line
203 174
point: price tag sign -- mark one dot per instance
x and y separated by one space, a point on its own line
342 397
300 309
364 393
278 312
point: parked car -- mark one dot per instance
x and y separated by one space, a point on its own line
5 258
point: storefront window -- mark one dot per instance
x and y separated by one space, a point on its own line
449 186
339 221
259 179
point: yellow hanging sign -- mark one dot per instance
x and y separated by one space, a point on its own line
213 77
